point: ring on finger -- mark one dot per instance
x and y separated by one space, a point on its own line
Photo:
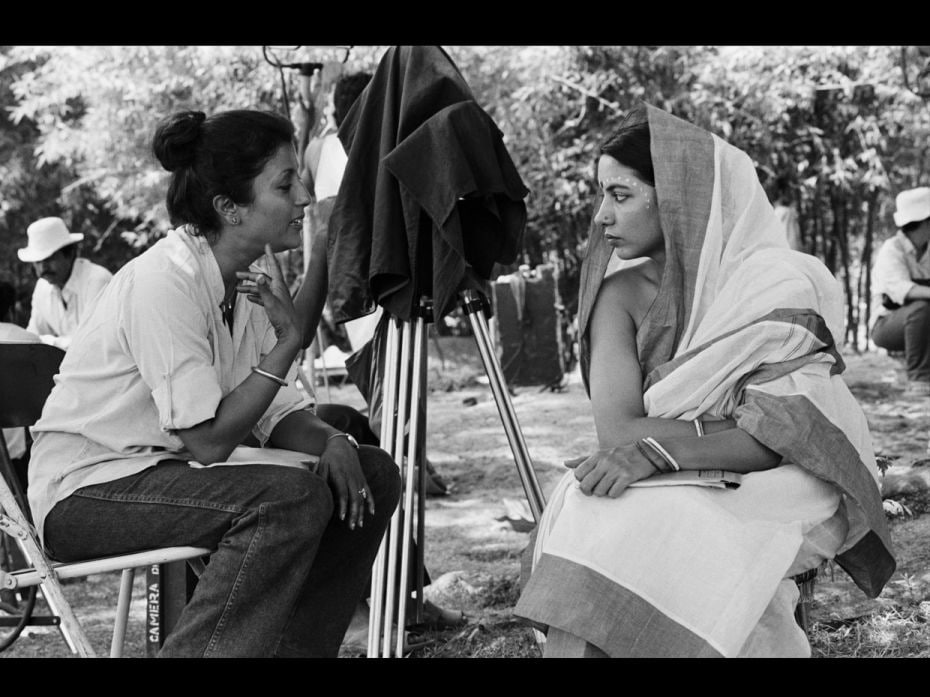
363 493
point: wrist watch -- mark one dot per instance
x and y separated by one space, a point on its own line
349 437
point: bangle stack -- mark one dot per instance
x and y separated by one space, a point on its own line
650 456
699 427
662 453
270 376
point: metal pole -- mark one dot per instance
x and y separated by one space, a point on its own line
426 306
398 454
388 405
122 612
473 307
379 622
409 474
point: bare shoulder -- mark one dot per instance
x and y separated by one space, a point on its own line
630 289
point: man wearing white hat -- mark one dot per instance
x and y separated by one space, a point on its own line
901 285
67 286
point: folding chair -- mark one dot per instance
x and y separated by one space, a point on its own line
26 378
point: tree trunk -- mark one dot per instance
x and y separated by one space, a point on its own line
866 271
841 244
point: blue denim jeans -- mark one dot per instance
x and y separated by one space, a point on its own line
286 575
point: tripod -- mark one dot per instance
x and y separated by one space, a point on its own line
403 419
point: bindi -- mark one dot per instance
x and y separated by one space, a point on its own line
644 190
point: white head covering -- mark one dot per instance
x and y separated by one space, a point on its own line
715 217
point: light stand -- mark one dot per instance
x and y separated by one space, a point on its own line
404 403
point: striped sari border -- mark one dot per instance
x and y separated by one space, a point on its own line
578 600
796 429
807 319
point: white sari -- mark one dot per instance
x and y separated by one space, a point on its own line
743 328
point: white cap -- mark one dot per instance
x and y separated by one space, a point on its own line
912 206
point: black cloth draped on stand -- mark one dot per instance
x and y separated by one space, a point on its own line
430 200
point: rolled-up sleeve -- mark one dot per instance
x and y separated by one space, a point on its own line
169 339
892 276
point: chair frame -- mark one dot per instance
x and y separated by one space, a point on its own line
26 378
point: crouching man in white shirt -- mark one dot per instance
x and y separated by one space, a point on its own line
901 283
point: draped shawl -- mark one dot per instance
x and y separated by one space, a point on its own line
745 328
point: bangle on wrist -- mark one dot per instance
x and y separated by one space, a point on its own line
347 436
649 458
264 373
663 453
699 427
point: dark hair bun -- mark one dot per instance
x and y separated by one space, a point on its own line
176 138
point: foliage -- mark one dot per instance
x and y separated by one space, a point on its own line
27 190
833 128
97 108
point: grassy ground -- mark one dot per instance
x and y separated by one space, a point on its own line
474 538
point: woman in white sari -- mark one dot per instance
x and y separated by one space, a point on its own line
707 344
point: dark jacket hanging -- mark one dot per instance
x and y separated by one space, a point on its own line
430 199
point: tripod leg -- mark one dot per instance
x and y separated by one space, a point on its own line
421 490
410 471
401 541
534 496
397 452
380 619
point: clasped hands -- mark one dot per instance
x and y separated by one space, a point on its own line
610 471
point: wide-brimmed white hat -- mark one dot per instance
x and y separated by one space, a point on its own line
47 236
912 205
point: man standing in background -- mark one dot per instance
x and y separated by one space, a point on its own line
67 285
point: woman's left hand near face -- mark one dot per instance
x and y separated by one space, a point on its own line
609 472
272 293
340 467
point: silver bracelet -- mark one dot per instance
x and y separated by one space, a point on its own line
649 458
270 376
651 442
699 427
348 436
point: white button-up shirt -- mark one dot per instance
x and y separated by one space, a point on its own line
57 313
153 357
896 265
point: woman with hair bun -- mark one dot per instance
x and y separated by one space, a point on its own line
175 419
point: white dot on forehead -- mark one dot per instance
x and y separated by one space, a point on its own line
625 181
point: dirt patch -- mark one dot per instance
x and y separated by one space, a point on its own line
473 543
